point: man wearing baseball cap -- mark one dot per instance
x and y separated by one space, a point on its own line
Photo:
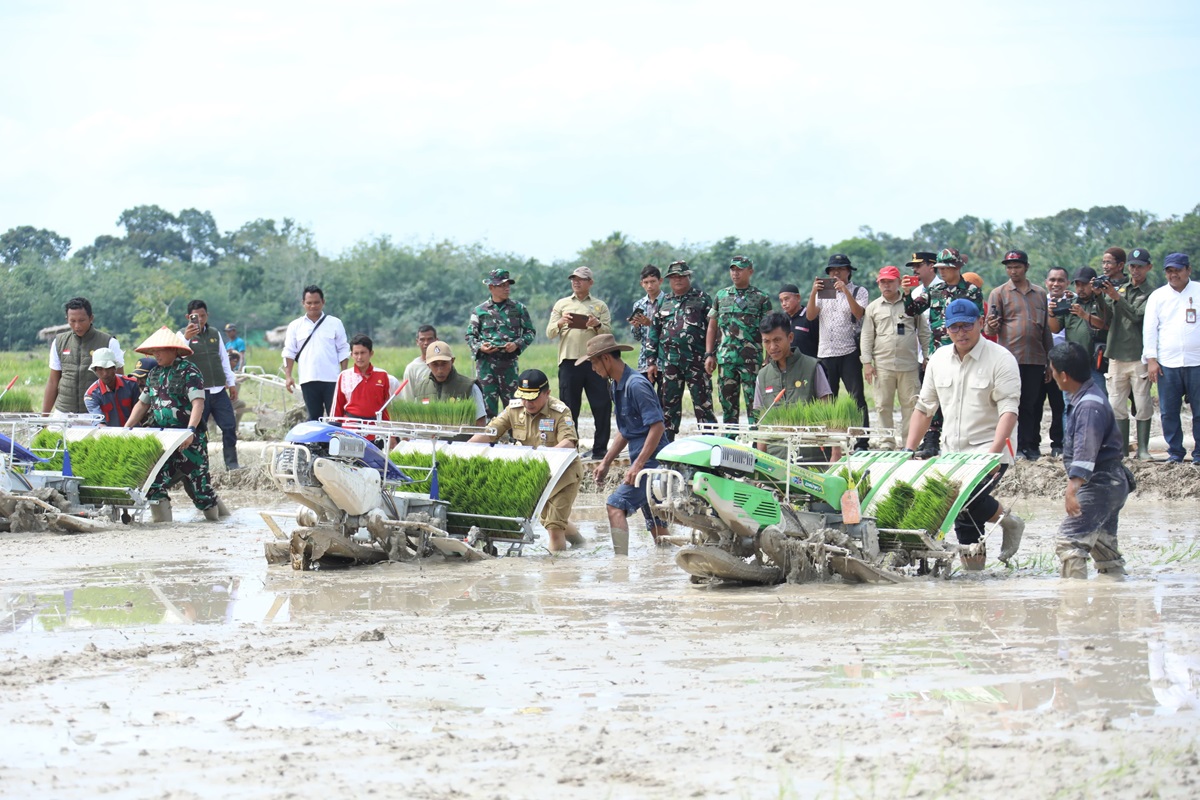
733 342
1125 310
1171 347
112 396
641 426
1019 318
443 382
575 320
1085 324
677 348
977 386
497 333
535 419
891 342
235 344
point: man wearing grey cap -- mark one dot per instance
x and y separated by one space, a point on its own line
1171 347
1085 324
1125 309
575 320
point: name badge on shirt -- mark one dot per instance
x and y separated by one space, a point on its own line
1189 315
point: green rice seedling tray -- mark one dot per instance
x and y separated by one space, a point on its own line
97 488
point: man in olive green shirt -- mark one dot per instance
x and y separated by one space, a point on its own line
1125 309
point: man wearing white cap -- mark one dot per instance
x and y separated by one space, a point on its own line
112 396
443 382
174 397
575 320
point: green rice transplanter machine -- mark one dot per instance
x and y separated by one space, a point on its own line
756 518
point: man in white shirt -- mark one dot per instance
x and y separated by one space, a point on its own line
977 385
840 325
318 342
1171 350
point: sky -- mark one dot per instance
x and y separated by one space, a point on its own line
536 127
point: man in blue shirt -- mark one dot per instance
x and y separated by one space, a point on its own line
235 344
1097 481
640 425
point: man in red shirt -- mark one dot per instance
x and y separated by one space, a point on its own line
363 391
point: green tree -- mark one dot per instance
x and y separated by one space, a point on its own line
30 245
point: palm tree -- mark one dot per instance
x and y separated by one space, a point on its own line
984 242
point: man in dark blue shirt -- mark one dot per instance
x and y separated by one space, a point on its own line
640 425
1097 482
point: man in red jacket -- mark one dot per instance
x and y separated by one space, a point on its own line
363 391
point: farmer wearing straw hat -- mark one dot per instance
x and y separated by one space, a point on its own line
112 396
640 424
174 397
535 419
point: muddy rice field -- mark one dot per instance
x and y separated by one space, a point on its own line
171 661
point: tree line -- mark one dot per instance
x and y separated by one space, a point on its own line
253 275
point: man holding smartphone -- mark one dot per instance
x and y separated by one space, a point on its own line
220 385
839 305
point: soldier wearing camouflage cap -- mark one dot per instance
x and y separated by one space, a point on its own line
734 342
677 348
499 330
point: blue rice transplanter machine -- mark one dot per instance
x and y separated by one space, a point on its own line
757 518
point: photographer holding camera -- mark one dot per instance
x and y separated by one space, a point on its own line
1125 310
220 385
1085 321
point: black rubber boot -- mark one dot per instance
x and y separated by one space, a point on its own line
1123 431
1143 437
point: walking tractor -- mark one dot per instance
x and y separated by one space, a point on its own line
374 491
873 516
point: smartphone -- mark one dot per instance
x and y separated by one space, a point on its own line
827 289
195 319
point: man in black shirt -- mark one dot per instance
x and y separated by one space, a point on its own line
806 333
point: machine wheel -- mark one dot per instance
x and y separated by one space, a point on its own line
712 562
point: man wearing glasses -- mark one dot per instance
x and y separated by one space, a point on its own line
977 386
734 343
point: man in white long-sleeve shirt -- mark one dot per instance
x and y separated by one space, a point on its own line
1171 350
318 342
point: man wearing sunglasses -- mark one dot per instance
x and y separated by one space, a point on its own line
977 386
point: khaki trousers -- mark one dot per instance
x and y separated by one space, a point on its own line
888 385
1124 378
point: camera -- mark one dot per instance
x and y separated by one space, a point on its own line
1100 281
1062 306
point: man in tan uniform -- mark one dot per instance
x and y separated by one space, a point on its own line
575 320
535 419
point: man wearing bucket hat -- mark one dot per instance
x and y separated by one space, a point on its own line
640 425
977 386
112 396
535 419
840 319
574 321
174 398
497 333
677 342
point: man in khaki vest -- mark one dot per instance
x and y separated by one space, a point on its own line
535 419
220 384
442 381
71 360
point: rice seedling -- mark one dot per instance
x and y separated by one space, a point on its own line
837 414
931 504
890 511
102 461
16 401
479 485
859 479
436 412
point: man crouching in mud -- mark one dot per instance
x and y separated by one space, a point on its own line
977 385
1097 482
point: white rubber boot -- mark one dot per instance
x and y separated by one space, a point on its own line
1013 527
1074 568
161 511
620 540
212 514
223 510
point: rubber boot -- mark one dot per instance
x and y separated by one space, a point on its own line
1111 573
223 510
161 511
574 537
1012 527
1123 432
1143 437
620 540
212 513
1074 568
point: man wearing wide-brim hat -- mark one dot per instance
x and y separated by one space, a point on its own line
640 425
174 398
536 419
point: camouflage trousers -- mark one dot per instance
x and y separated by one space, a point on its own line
675 377
735 378
188 465
498 381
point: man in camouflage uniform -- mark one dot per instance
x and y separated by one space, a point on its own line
934 299
734 337
677 340
499 330
174 397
